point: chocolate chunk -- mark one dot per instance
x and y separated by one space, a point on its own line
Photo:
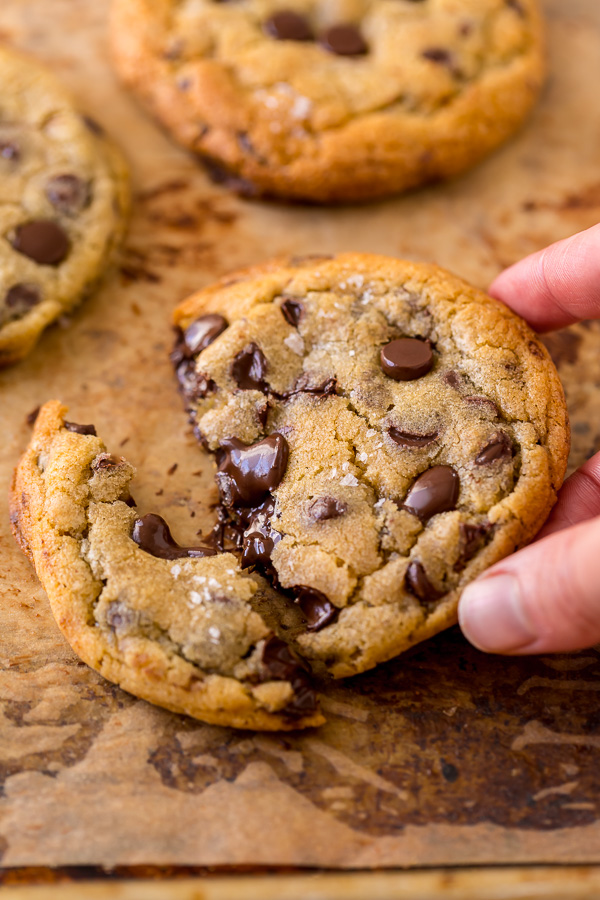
106 461
288 25
249 368
318 610
68 194
292 312
344 40
193 385
517 6
43 241
9 151
248 472
485 404
498 449
80 429
151 533
202 332
121 617
406 359
452 379
419 584
327 508
438 55
280 663
411 440
20 298
435 491
471 540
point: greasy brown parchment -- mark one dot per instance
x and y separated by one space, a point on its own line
445 756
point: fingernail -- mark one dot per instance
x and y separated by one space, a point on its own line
492 617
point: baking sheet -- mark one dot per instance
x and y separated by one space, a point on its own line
442 757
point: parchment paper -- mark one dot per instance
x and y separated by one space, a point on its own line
442 757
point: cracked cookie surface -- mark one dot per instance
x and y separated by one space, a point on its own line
63 207
333 102
172 625
383 432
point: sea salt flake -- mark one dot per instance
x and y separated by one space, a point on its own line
295 343
363 457
350 480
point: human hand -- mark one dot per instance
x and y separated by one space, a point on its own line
546 597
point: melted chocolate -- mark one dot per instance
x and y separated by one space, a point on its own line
498 449
20 298
410 440
419 584
151 533
248 472
42 241
324 508
249 368
435 491
292 312
280 663
201 333
318 610
106 461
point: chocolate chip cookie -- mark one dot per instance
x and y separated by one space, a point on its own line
382 432
173 625
333 102
64 201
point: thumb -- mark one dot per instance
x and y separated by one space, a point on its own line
543 599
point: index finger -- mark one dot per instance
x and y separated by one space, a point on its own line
557 286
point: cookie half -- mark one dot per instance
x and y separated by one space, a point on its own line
383 432
172 625
63 205
333 102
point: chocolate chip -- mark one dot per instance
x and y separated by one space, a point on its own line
419 584
410 440
203 332
280 663
535 349
106 461
497 449
318 610
43 241
438 55
435 491
471 540
248 472
288 25
344 40
20 298
327 508
93 126
151 533
80 429
9 151
249 368
68 194
292 312
193 385
517 6
406 359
